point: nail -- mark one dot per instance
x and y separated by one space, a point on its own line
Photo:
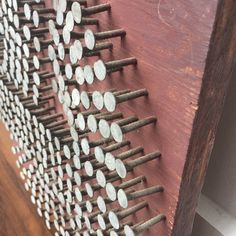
19 20
91 189
69 21
90 37
41 44
85 98
78 51
79 13
52 52
102 202
69 208
70 71
67 147
27 11
90 204
68 35
135 230
61 50
39 77
101 68
103 179
91 166
115 218
38 90
124 198
117 130
31 31
111 99
75 94
71 117
85 21
40 61
123 168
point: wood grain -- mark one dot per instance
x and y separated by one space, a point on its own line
18 215
219 67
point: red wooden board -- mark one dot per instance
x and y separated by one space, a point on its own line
170 39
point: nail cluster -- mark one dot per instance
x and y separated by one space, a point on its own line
79 184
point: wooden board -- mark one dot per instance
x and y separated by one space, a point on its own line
18 216
219 68
179 48
171 40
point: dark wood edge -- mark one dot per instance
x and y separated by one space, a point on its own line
218 72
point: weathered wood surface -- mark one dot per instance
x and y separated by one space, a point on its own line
220 66
18 216
171 41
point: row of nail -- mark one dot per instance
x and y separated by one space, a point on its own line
99 99
86 74
95 119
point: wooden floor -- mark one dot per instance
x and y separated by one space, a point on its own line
18 215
